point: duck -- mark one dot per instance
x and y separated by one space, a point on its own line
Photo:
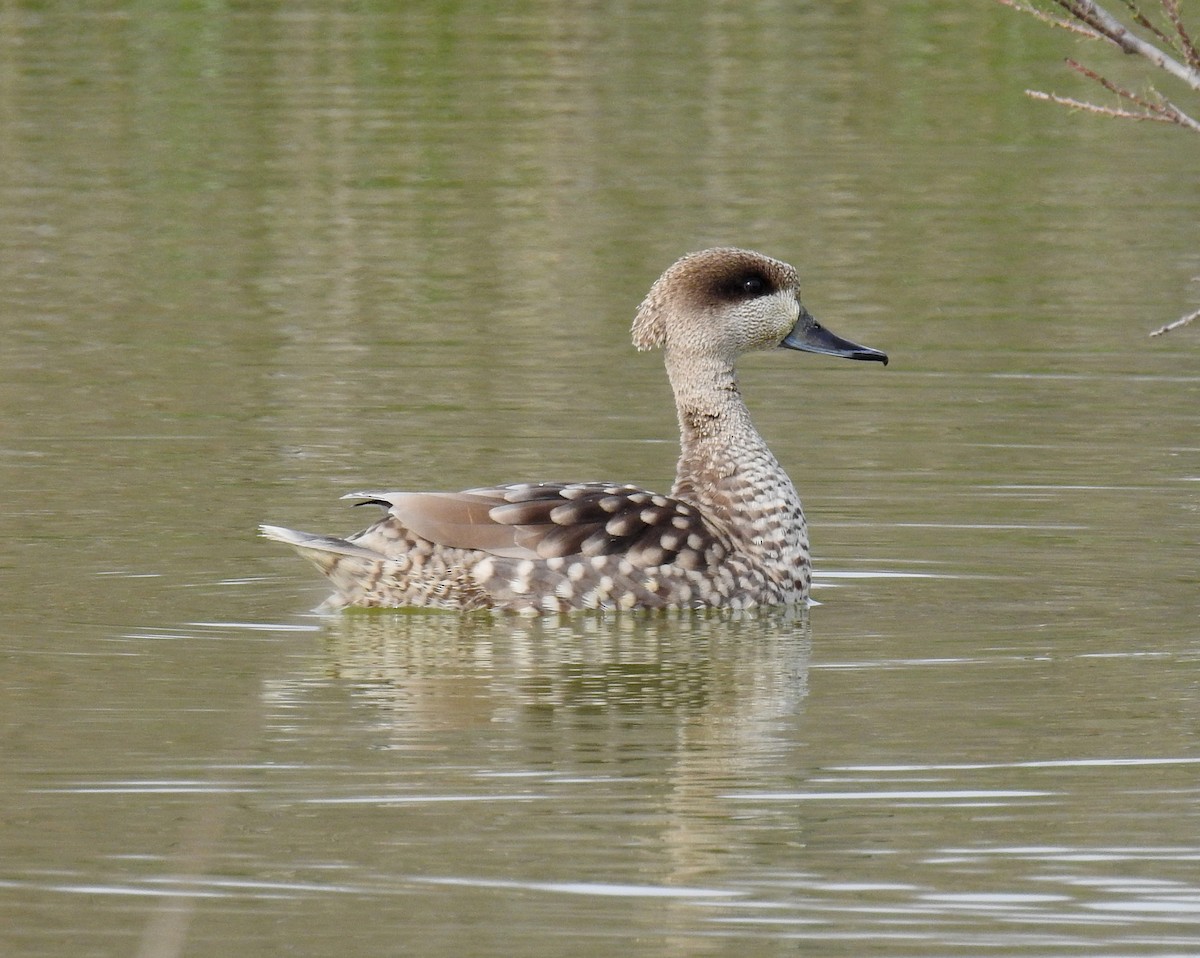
730 534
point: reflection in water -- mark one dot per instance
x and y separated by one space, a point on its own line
684 691
588 713
736 669
671 779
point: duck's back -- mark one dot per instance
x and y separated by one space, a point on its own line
535 547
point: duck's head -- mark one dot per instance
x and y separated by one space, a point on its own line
724 302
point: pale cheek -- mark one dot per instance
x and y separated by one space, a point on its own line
765 336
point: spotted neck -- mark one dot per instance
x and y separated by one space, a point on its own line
724 464
712 420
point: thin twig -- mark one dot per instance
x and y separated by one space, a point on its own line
1112 87
1167 112
1144 21
1186 42
1096 108
1181 321
1176 115
1163 108
1053 21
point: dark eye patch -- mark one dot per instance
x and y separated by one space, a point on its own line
744 285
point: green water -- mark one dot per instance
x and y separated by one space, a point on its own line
253 257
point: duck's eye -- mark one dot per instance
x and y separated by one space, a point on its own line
744 286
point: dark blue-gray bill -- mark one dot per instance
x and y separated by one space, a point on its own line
811 337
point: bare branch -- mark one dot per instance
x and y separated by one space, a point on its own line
1166 112
1186 43
1177 116
1160 110
1089 19
1053 21
1096 108
1112 87
1164 108
1113 30
1181 321
1144 21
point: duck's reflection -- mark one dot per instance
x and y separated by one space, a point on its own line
725 668
625 732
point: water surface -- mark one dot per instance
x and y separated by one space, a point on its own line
252 258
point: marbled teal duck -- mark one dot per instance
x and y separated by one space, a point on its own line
731 532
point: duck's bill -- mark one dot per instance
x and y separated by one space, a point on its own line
811 337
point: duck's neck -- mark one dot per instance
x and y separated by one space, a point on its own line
727 470
721 451
714 424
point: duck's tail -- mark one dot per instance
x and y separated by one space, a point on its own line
352 570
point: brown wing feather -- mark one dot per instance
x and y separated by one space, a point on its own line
459 520
557 520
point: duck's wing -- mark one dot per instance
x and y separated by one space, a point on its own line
550 520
